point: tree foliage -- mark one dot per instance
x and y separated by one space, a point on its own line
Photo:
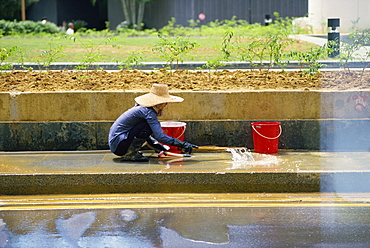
11 9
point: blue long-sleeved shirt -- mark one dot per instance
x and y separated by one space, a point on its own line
121 127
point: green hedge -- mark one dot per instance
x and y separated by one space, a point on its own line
27 27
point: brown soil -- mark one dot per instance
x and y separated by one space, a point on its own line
35 81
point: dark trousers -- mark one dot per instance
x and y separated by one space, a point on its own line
140 131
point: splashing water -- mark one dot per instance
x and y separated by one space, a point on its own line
241 154
244 159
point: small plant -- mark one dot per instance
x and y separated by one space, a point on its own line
268 46
134 59
4 55
212 65
310 59
51 54
226 50
256 50
227 46
245 53
358 40
365 62
347 53
20 58
93 53
275 45
348 49
173 49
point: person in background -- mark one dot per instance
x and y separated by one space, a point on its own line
44 20
137 126
63 28
70 29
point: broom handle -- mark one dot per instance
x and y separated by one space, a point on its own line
214 148
201 149
180 155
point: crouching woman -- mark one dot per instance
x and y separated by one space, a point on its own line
139 125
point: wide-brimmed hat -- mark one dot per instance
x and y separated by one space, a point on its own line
158 94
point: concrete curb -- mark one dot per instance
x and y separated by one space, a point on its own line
195 65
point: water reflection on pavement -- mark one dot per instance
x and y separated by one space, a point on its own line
150 226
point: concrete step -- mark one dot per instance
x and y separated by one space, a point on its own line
100 172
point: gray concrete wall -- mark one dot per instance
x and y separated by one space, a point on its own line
328 135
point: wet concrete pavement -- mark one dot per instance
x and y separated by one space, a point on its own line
26 173
186 220
126 205
106 162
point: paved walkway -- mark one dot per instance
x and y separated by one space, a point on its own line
321 40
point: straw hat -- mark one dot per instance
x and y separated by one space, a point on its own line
158 94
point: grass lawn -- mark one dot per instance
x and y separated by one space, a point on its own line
65 49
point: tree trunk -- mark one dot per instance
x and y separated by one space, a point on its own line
23 3
126 12
140 14
133 12
134 19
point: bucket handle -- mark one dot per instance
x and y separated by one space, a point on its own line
266 136
182 133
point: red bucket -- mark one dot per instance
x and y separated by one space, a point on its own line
174 129
266 136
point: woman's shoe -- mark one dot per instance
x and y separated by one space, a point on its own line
133 153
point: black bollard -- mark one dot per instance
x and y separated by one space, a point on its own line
334 37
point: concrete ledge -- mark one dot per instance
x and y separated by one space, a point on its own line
331 135
79 183
262 105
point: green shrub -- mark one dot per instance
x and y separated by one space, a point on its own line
27 27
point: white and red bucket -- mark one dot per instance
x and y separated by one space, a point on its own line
174 129
266 136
